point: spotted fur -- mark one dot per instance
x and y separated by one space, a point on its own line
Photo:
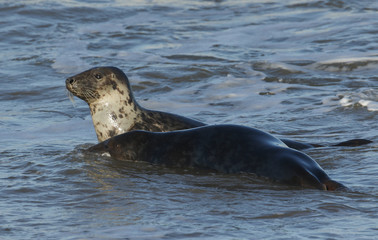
113 107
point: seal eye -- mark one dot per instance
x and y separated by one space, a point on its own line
98 75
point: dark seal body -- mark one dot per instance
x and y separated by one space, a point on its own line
224 148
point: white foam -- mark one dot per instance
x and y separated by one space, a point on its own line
370 105
365 98
346 101
105 154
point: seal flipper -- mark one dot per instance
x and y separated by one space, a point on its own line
298 145
331 185
301 146
353 143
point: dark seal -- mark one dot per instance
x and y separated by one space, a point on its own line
115 111
224 148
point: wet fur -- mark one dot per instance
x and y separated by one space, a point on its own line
224 148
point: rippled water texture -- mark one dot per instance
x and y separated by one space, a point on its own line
305 70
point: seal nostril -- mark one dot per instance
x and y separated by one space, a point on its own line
71 80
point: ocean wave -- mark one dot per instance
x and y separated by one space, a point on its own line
348 64
366 98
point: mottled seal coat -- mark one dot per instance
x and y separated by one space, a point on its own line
224 148
114 109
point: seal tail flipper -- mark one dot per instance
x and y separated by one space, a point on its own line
353 143
350 143
301 146
331 185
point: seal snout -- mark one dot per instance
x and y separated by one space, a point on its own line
70 81
71 85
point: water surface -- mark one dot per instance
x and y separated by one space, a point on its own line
305 70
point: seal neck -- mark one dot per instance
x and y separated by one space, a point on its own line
113 116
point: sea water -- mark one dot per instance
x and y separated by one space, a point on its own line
304 70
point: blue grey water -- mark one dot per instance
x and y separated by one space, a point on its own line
300 69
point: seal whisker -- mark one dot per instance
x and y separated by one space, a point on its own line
71 97
90 93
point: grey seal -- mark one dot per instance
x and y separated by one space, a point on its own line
223 148
115 111
113 107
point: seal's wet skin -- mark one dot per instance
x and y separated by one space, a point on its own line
114 109
224 148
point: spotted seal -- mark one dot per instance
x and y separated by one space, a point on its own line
224 148
114 109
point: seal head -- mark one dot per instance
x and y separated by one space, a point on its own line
107 92
89 84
